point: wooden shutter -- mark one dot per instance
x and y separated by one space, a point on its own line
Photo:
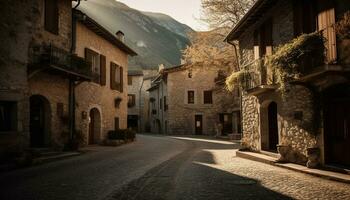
268 36
121 79
112 76
326 22
51 16
256 45
102 70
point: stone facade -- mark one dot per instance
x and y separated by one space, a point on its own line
179 116
91 96
297 126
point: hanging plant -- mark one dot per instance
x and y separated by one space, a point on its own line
287 60
235 80
343 26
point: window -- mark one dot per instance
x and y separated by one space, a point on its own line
165 104
8 116
94 59
208 97
116 123
131 100
129 80
190 97
304 16
51 16
160 104
116 77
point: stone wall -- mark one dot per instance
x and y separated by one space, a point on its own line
91 95
294 132
181 115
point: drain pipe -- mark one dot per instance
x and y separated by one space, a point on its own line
71 95
241 96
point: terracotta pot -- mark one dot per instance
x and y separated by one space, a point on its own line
313 156
283 152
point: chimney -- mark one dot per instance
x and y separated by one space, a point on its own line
120 36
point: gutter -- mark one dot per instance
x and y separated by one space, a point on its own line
72 84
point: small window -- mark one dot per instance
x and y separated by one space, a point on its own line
189 73
165 104
51 16
129 80
116 123
190 97
208 97
160 104
131 100
8 116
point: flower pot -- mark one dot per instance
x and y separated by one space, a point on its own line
283 152
313 156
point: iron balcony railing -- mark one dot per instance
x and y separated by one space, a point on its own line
257 74
60 59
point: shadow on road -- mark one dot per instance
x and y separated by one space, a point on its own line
192 175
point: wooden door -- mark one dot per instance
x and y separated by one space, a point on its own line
92 128
226 121
37 122
337 139
198 124
273 126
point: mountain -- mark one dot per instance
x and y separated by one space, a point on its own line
157 38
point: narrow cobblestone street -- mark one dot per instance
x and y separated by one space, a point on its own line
165 168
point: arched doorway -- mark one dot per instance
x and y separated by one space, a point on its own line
337 125
39 121
273 126
94 126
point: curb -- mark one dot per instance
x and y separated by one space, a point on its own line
298 168
47 159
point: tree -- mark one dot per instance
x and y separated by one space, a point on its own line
224 13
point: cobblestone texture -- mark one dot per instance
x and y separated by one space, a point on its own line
166 168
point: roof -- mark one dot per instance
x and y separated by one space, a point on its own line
175 68
252 16
135 73
101 31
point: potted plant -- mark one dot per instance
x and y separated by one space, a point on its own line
283 150
313 157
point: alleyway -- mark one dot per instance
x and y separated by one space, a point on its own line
165 168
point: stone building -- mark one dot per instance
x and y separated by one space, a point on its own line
101 104
41 71
312 115
138 99
193 100
36 70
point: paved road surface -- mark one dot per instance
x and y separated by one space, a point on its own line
166 168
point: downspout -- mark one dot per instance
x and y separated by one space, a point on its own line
241 96
71 95
140 110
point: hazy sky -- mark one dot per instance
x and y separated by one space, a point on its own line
184 11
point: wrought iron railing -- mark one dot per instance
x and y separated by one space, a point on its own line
59 58
256 74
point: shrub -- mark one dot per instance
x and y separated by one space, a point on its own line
121 134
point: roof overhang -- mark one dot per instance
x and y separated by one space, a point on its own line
101 31
252 16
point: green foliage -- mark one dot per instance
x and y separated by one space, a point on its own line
343 26
287 60
234 80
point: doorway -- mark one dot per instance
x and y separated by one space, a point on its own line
226 121
198 124
337 125
272 126
133 122
94 126
39 121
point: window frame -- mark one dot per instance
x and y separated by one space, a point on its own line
205 101
188 97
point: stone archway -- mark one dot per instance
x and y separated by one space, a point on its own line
94 126
40 121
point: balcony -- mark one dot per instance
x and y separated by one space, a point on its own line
258 78
61 62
